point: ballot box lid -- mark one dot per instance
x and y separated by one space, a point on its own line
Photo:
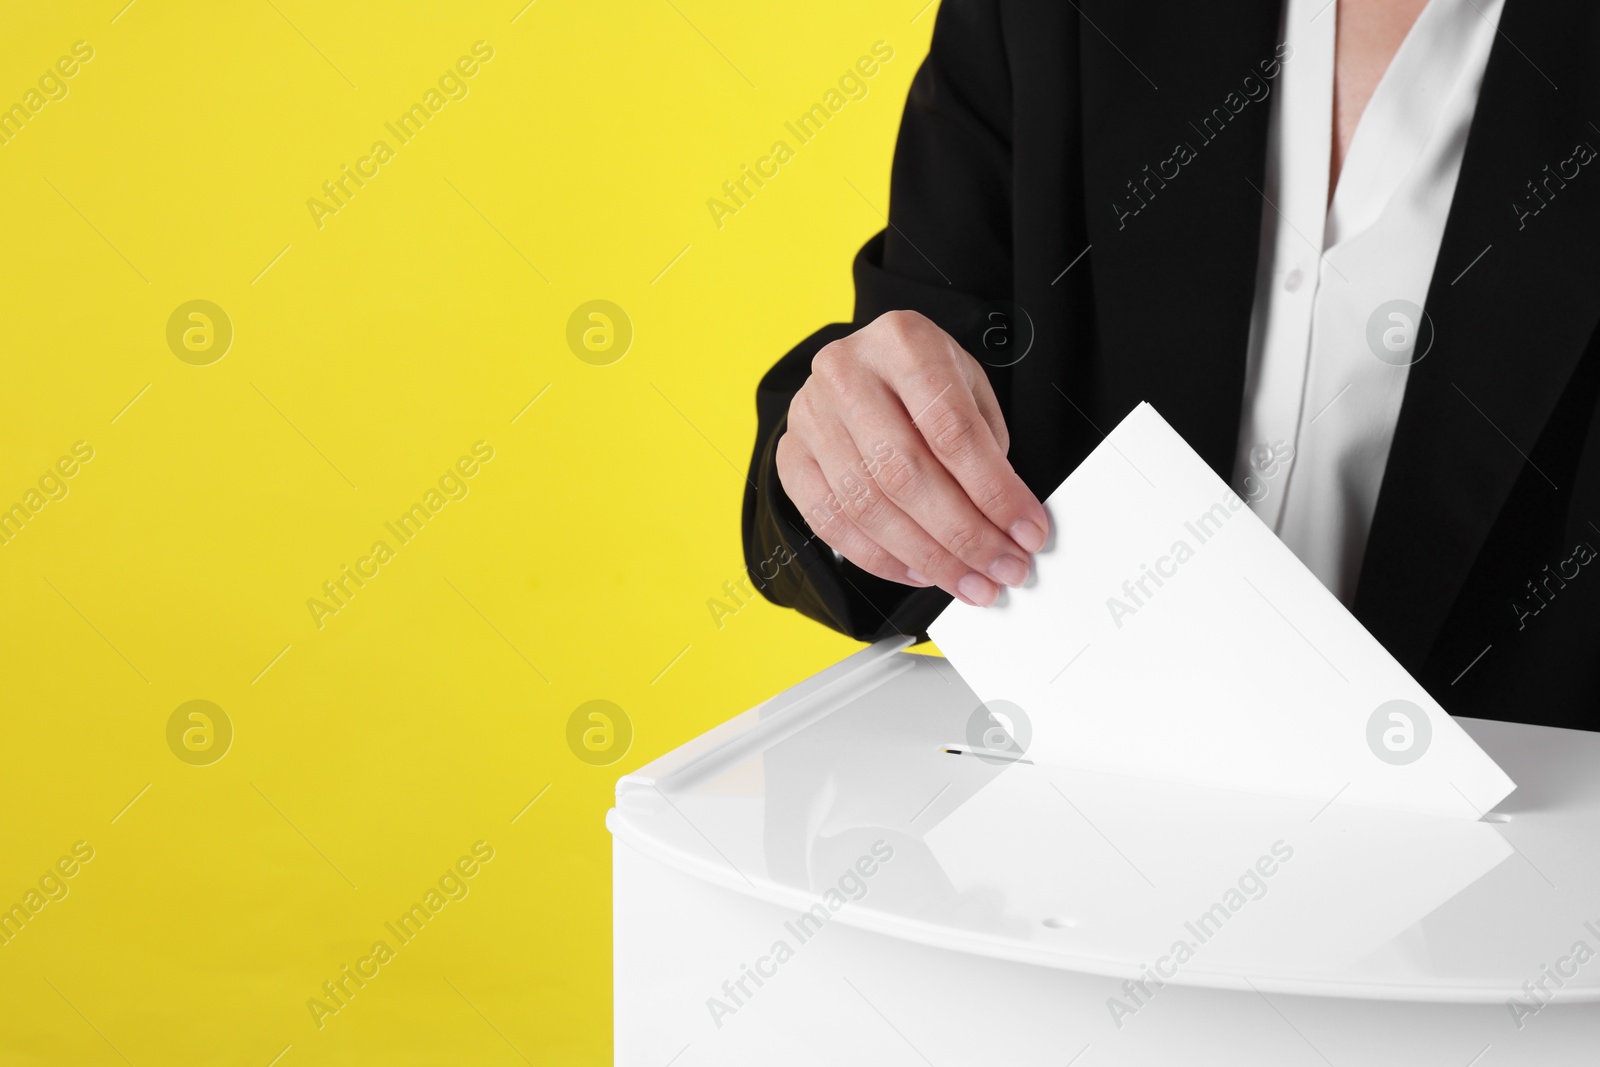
883 792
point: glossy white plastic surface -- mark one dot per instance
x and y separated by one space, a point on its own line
790 807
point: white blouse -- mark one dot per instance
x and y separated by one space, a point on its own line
1337 319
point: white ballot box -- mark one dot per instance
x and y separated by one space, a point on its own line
872 868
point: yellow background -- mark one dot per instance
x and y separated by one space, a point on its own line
373 352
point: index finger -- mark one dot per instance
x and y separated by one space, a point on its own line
946 410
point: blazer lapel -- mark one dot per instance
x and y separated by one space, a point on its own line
1175 107
1514 301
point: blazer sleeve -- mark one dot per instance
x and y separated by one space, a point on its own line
945 253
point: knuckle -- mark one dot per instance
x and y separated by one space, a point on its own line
938 564
827 536
897 476
991 496
952 434
827 522
832 365
901 321
904 333
964 541
866 508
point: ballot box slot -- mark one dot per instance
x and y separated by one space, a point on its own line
989 755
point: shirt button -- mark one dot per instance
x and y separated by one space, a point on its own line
1292 280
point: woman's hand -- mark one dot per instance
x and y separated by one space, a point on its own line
895 452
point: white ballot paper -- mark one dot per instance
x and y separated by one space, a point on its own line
1167 633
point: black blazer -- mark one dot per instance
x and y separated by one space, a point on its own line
1025 127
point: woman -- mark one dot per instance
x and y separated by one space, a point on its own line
1345 247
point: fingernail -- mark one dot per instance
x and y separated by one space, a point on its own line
916 577
1027 534
1009 570
978 589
